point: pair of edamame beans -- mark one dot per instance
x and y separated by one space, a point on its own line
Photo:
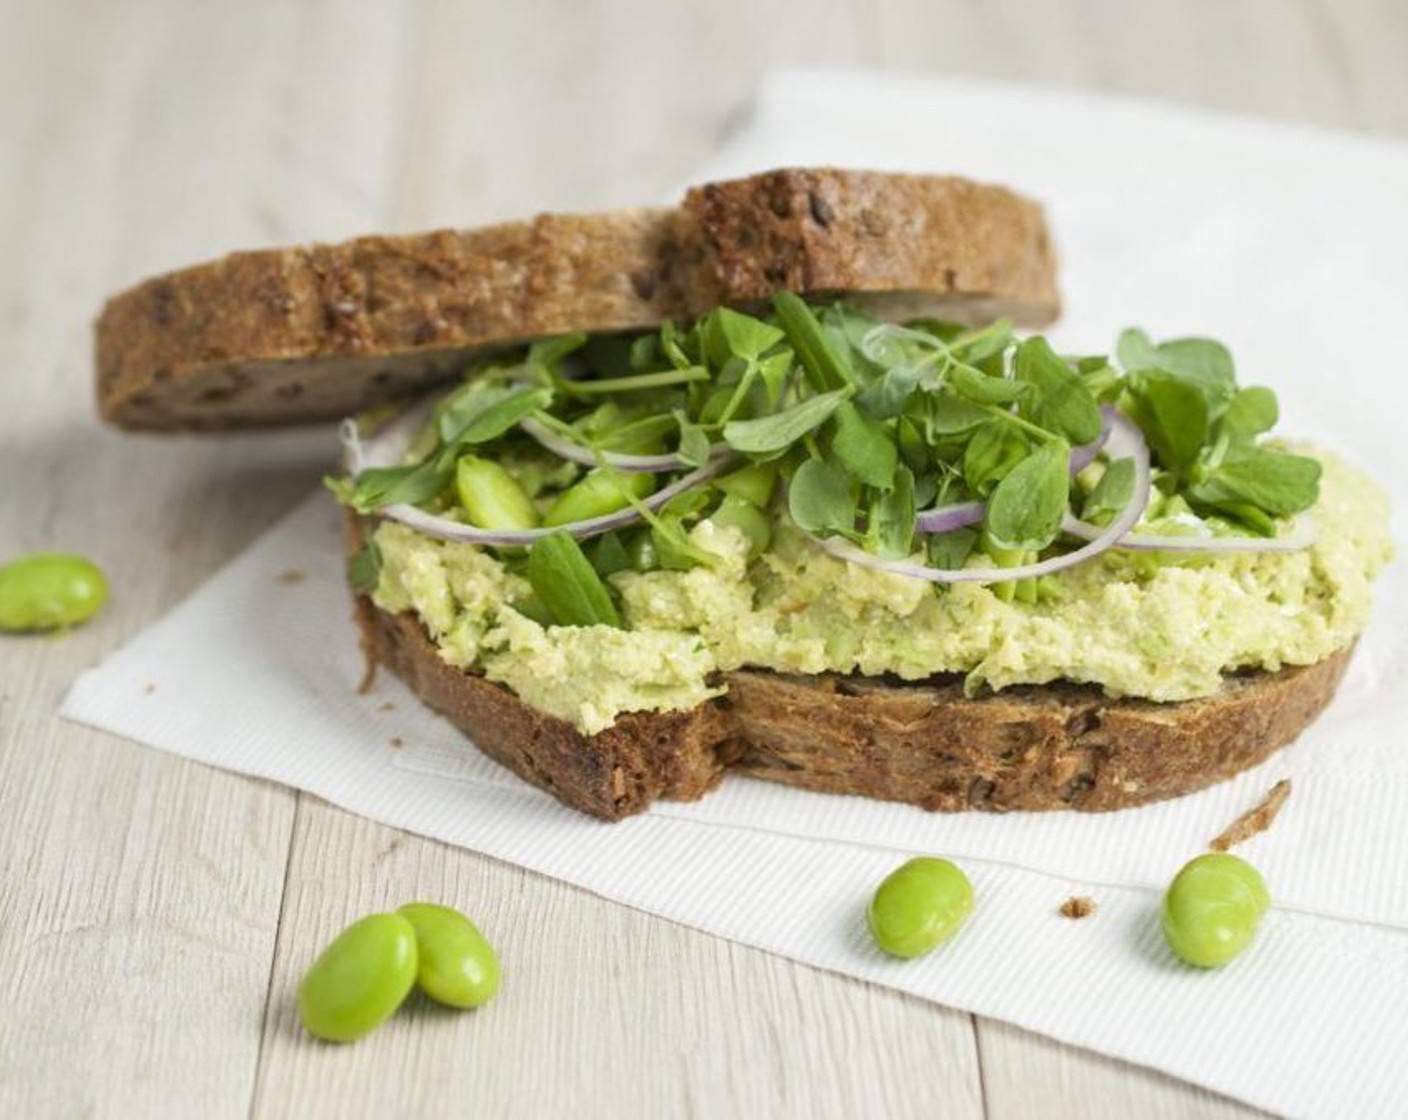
49 591
1210 910
359 980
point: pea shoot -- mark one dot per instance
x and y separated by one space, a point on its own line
971 449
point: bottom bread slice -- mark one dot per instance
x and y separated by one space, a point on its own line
1058 746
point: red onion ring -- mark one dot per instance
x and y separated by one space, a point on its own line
1125 441
1300 536
643 464
387 446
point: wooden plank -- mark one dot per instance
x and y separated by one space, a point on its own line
604 1012
139 894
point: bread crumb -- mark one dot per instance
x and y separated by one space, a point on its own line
368 675
1255 820
396 742
292 576
1078 906
150 688
386 706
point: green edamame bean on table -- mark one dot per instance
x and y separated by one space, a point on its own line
919 906
457 965
50 591
360 979
1212 908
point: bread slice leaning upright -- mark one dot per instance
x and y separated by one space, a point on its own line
318 333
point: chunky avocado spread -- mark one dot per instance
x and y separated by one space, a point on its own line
1164 630
611 524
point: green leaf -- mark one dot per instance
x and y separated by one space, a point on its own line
951 550
1201 362
864 447
364 568
567 585
548 352
780 430
1252 411
977 346
1277 482
1112 493
694 442
774 370
996 447
1060 402
746 337
980 388
890 529
1025 510
608 555
949 417
411 485
823 363
673 347
820 499
493 416
887 395
1173 414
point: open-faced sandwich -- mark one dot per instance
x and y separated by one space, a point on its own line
771 483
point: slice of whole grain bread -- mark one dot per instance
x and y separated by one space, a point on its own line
284 336
1037 747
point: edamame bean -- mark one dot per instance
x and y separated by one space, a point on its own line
739 513
492 497
49 590
457 965
1212 908
919 905
753 483
599 492
360 979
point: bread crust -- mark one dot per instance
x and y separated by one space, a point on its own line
1058 746
292 335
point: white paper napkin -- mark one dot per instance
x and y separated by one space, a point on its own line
1278 239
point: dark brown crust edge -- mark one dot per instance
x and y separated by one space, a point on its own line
292 335
1032 748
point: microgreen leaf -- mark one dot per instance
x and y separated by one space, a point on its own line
1060 401
746 337
823 363
1201 362
1173 413
977 346
567 585
994 449
1275 481
1252 411
951 550
364 568
1112 493
1026 507
951 416
820 498
774 370
694 443
549 351
973 385
479 419
410 485
864 447
890 529
780 430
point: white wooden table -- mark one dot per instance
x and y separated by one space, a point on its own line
155 914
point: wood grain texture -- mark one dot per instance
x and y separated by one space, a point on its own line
149 905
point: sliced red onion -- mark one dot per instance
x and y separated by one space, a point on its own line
386 447
1126 441
942 519
643 464
1300 536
